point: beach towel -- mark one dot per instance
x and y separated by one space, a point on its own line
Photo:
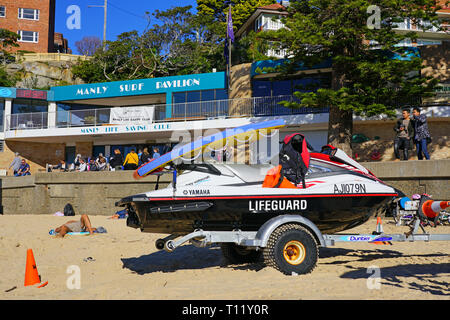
52 232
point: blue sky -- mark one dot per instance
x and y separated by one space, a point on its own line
122 16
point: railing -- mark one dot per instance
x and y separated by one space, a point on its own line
192 111
27 121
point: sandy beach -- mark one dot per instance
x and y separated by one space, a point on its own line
124 264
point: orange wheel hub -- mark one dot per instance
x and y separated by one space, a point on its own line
294 252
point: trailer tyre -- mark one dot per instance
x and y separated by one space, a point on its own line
291 249
235 254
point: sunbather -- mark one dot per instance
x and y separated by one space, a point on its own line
83 225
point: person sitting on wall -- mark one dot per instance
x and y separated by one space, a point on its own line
15 164
82 166
76 161
24 169
100 156
116 161
405 135
62 166
92 166
102 165
131 161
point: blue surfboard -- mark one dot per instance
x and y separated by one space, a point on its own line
211 140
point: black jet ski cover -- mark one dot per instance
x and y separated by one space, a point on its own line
294 158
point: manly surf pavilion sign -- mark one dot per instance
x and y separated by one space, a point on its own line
168 85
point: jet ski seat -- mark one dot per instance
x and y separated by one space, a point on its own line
294 164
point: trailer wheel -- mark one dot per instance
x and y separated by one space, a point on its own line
235 254
291 249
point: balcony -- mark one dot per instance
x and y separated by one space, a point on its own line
180 112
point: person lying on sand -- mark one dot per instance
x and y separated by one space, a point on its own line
83 225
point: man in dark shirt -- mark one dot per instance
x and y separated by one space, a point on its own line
421 134
24 169
116 160
404 136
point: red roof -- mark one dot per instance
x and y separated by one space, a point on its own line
274 6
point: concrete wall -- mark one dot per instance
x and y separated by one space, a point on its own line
95 193
89 192
414 176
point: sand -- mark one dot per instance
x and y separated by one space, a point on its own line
126 265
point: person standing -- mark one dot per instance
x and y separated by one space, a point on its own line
145 157
421 134
156 153
405 135
15 164
131 161
116 160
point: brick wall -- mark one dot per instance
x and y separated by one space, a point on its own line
45 25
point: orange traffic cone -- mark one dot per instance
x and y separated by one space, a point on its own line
31 274
379 230
379 226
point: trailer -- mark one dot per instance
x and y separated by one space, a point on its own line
290 243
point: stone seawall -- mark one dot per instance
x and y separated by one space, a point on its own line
92 193
95 193
415 176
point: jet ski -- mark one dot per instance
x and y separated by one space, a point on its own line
328 187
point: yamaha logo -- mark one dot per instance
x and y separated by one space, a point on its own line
197 192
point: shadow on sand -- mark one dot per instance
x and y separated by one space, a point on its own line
421 277
186 257
368 255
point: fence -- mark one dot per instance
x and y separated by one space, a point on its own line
190 111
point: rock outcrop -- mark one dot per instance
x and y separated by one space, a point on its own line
42 75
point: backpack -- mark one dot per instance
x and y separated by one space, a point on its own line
294 158
68 210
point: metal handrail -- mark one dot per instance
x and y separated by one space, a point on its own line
189 111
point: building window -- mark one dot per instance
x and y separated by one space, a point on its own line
28 36
29 14
204 103
202 95
29 106
28 114
258 23
2 11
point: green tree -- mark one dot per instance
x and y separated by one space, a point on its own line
180 43
241 10
366 80
8 39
